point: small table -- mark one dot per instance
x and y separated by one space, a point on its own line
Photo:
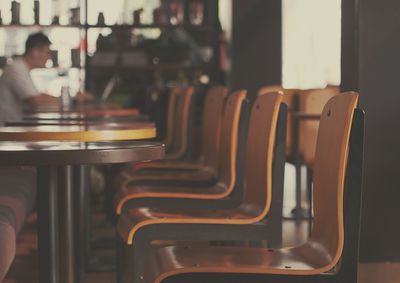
54 159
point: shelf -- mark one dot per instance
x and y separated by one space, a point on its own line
125 26
145 68
40 26
150 26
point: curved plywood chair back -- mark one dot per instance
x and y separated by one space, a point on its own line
229 137
259 153
312 102
329 174
171 117
288 95
181 122
212 122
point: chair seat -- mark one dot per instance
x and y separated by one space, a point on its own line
134 219
184 176
127 193
308 259
166 164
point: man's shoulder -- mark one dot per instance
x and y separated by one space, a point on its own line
16 67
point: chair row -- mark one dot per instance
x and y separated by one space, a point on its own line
304 109
245 201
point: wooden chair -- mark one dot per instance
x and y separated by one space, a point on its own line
182 119
331 253
288 95
306 109
127 196
204 169
178 128
171 109
311 104
246 221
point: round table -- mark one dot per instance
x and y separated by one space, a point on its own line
83 133
89 111
58 151
114 124
54 162
98 115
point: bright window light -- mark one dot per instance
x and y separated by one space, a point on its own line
311 43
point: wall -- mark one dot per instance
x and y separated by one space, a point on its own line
370 63
256 44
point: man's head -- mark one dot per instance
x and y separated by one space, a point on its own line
37 50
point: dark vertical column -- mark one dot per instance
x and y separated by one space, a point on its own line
47 225
256 44
349 46
374 32
65 182
82 213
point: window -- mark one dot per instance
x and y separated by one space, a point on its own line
311 43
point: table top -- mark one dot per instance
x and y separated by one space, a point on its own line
35 123
78 116
72 153
83 133
88 112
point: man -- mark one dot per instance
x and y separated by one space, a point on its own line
17 89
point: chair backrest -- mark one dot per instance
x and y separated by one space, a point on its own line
181 122
171 112
329 174
213 112
229 138
288 95
312 102
259 154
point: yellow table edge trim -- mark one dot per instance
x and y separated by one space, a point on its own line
86 136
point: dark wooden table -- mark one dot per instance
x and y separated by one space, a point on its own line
57 161
54 161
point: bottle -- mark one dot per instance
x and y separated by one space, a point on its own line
15 12
100 19
65 97
196 12
36 11
137 14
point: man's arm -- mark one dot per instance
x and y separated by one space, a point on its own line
42 100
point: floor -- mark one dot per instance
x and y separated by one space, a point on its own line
24 268
293 234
